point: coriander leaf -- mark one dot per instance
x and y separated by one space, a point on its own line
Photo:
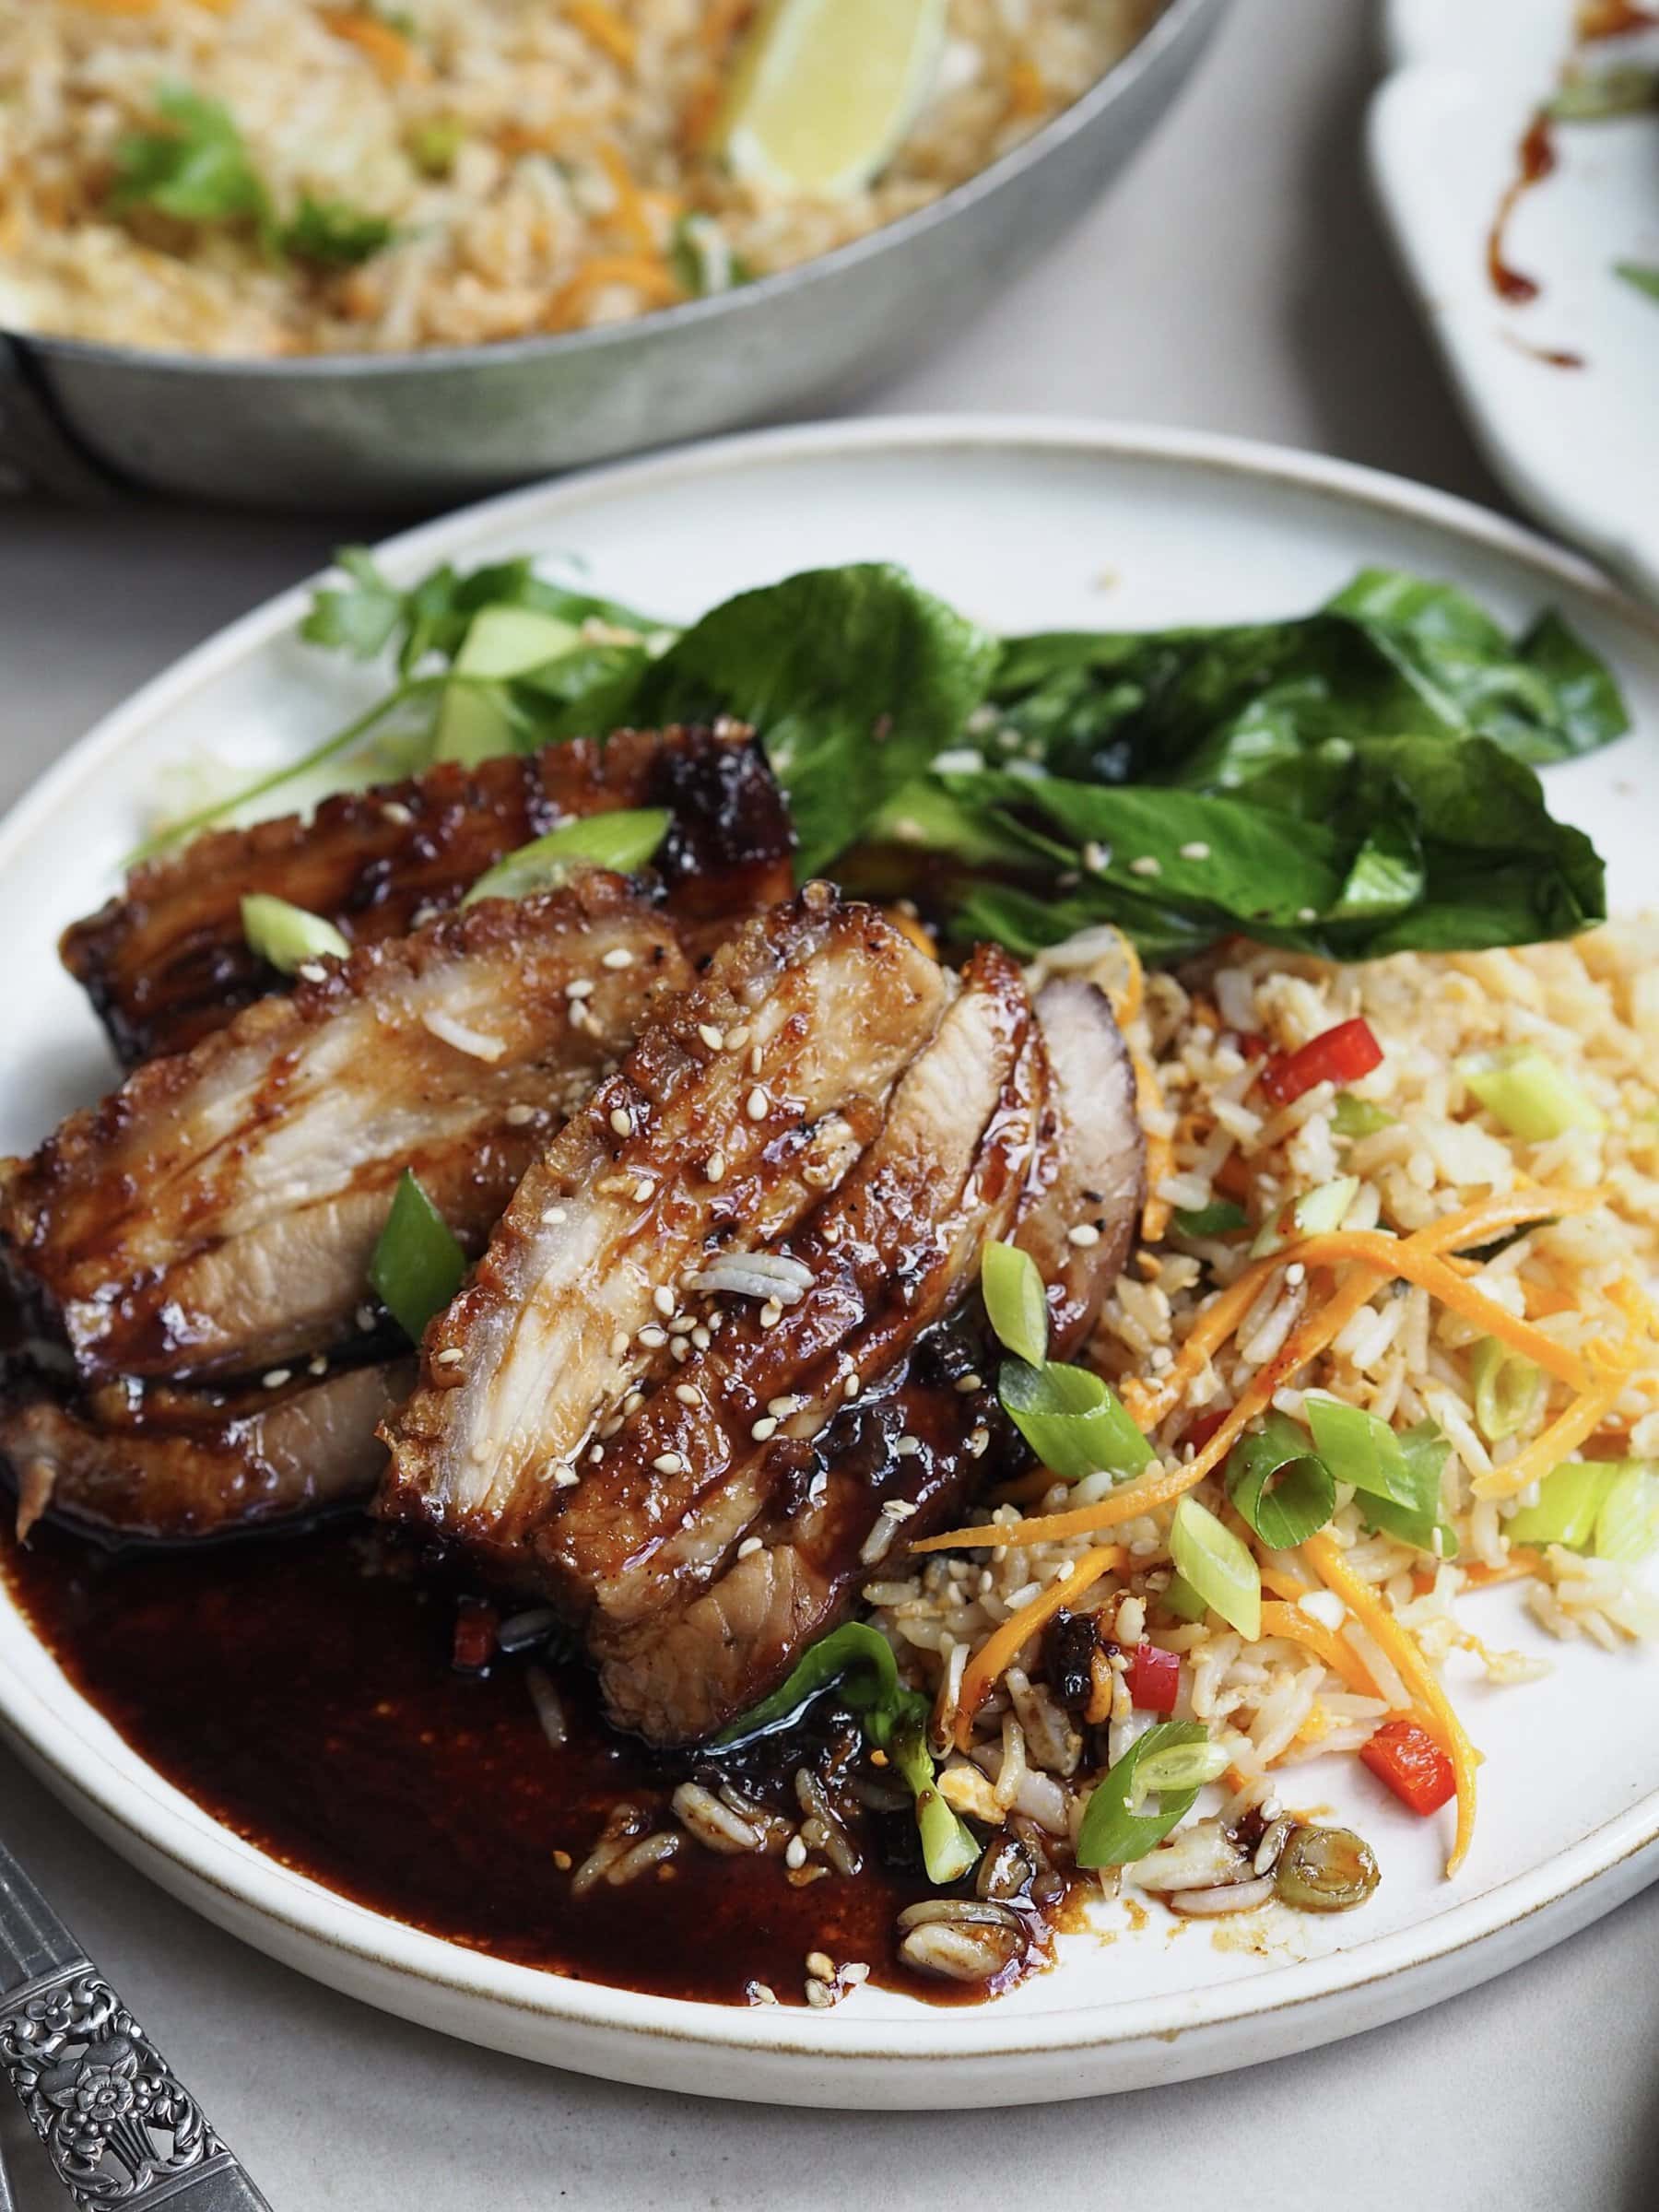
333 235
855 678
196 168
361 619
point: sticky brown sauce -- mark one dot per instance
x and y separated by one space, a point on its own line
1535 160
301 1690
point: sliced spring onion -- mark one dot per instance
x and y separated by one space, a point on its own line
1312 1214
1073 1420
1627 1527
1112 1835
1219 1218
287 935
624 840
1015 1301
1523 1090
1352 1116
1281 1487
856 1654
1176 1767
417 1265
1183 1600
1571 1497
948 1846
1219 1565
476 722
1399 1473
1507 1389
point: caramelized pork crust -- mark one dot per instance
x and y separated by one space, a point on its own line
218 1214
167 963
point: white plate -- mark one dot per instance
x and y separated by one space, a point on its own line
1022 524
1580 447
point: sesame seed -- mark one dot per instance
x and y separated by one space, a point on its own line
715 1166
1145 865
318 1365
701 1337
596 1455
633 1401
618 1345
312 971
365 1318
794 1852
688 1394
278 1377
609 1429
1096 858
749 1547
644 1189
680 1350
854 1971
897 1509
783 1408
1083 1234
483 1451
621 1121
737 1039
553 1216
757 1059
977 1442
581 1018
669 1463
765 1429
397 813
1296 1275
820 1964
581 987
967 1384
662 1297
517 1116
451 1356
906 1448
770 1314
714 1038
681 1325
757 1104
1195 850
617 956
760 1993
850 1385
564 1475
651 1337
1307 913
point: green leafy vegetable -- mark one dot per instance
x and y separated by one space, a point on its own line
196 168
478 719
1113 1835
1015 1304
1627 1527
1570 1499
623 840
1184 1601
1643 275
433 145
332 235
1586 96
287 935
1219 1565
1352 1116
1219 1218
419 1264
1507 1388
1312 1214
1529 1094
1073 1420
1280 1486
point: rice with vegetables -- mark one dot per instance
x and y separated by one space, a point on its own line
263 177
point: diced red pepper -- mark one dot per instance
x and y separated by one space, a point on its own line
1251 1044
1199 1430
1154 1678
1340 1056
476 1625
1413 1765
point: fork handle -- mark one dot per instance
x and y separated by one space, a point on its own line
118 2125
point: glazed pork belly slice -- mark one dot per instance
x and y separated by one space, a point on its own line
167 963
155 1462
751 1097
700 1587
217 1214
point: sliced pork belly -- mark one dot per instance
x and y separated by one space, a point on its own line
167 963
217 1214
132 1459
750 1098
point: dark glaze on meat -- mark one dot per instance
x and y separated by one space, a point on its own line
217 1214
167 962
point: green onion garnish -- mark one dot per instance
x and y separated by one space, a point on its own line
1525 1091
1352 1116
1507 1390
419 1264
1015 1304
1219 1565
624 840
1073 1420
287 935
1312 1215
1399 1473
1627 1527
1183 1600
1113 1835
1278 1485
948 1847
1219 1218
1570 1498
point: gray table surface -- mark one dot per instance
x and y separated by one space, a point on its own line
1238 280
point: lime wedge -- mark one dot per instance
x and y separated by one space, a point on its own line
825 89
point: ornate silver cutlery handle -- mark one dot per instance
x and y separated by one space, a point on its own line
119 2125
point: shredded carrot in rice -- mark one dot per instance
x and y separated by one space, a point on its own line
393 57
1026 92
1521 1561
606 29
631 206
655 280
1337 1655
989 1663
1398 1644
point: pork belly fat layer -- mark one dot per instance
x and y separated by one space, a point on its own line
167 963
739 1108
219 1213
131 1460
